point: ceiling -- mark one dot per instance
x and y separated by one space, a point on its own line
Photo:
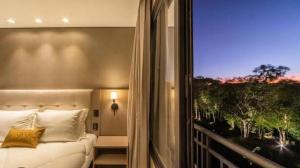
79 13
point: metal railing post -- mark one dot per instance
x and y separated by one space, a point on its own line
201 146
208 164
197 150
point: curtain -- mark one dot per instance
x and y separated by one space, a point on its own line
163 114
139 91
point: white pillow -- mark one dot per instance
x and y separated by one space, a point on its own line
82 122
17 119
82 119
60 125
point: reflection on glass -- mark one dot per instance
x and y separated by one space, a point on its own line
163 117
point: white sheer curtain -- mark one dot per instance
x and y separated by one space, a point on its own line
139 91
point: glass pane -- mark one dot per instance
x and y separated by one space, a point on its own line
247 75
163 114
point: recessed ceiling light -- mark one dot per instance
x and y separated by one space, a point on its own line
11 21
38 20
65 20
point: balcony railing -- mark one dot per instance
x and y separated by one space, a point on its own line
212 151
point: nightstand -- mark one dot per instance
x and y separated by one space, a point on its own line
111 151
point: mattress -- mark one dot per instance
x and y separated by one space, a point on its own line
77 154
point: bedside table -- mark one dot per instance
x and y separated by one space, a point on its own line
111 151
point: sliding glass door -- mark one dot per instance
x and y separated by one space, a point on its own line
163 112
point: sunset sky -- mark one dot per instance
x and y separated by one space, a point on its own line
232 37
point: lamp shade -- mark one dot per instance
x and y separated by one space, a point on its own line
113 95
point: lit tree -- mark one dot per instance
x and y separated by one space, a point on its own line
283 112
207 94
239 104
231 120
259 102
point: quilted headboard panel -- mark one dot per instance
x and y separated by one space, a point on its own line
60 99
54 99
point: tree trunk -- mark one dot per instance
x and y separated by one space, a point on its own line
199 115
282 137
246 129
214 117
260 132
232 125
206 115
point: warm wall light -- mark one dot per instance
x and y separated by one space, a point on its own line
113 95
114 106
11 21
65 20
38 20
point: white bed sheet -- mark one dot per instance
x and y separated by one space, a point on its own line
50 155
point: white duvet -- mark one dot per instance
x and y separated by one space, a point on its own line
50 155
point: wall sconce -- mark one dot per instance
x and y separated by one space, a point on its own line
114 105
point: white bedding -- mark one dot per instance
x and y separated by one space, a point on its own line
50 155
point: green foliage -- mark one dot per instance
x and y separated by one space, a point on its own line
259 102
283 112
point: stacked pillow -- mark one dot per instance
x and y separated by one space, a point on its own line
61 125
23 137
17 119
56 125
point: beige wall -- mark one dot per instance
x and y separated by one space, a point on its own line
65 58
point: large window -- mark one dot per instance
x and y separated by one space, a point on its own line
246 83
163 89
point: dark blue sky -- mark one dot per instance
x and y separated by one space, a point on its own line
232 37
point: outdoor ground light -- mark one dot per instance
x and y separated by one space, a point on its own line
114 105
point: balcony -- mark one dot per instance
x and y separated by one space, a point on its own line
212 151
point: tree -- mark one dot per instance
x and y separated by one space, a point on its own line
260 124
209 104
269 73
207 95
243 105
231 120
238 104
283 110
260 102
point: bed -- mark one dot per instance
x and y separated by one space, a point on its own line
50 155
75 154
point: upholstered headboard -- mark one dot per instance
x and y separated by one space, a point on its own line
55 99
79 98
